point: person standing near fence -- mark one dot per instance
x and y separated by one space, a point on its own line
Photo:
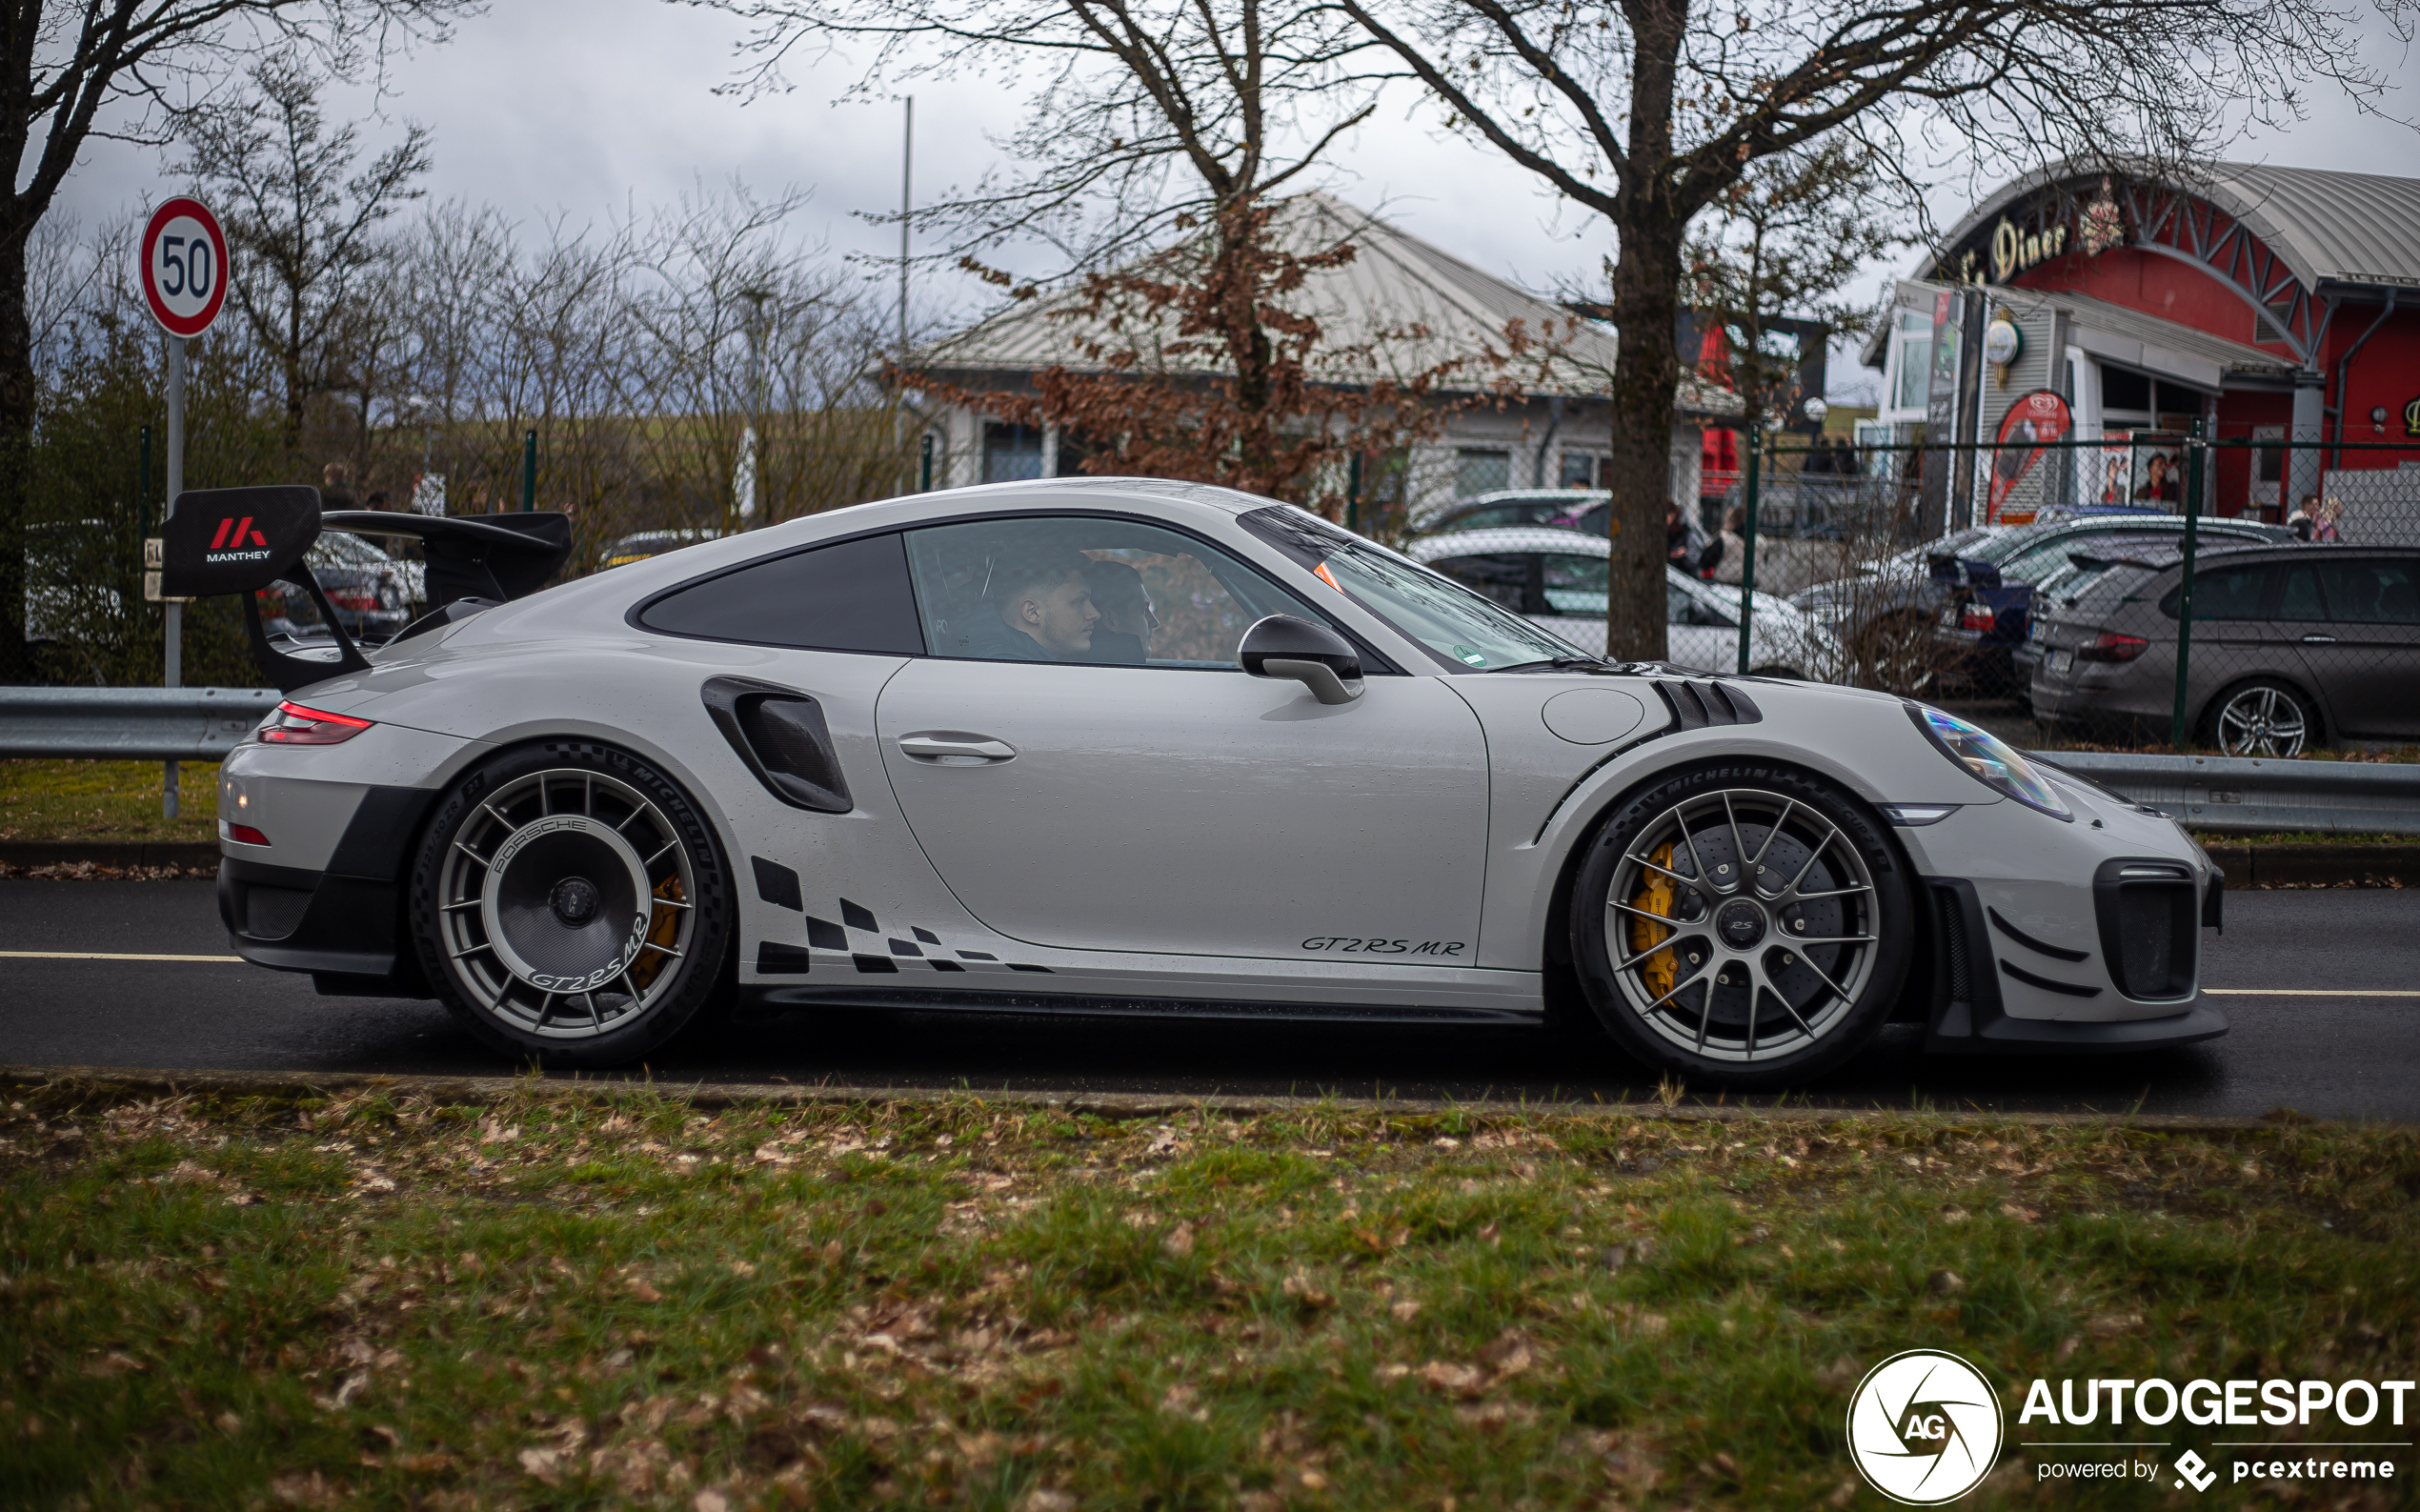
1725 560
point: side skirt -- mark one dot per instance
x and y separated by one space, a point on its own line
758 998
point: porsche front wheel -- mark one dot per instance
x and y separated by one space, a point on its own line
1743 926
571 906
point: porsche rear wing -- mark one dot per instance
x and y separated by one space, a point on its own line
240 541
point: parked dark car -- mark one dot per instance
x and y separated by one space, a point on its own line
2292 646
1985 594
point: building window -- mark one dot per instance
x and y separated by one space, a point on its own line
1477 472
1012 453
1580 470
1911 354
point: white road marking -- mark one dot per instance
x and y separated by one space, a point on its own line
101 955
2307 992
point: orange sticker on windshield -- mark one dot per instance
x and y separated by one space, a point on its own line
1328 578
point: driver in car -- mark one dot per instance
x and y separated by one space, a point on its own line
1045 609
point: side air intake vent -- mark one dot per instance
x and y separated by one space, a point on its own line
1697 704
781 734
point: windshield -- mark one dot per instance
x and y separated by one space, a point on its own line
1456 625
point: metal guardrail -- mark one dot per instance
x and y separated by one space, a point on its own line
2240 794
129 724
2253 795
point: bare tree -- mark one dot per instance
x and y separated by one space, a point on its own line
1160 141
1646 112
70 69
301 222
1784 241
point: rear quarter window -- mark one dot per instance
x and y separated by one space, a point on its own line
852 596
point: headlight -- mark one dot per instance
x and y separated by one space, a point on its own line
1991 760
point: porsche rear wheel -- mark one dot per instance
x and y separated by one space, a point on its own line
571 906
1742 925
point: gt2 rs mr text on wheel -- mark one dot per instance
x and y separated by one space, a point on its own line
1123 746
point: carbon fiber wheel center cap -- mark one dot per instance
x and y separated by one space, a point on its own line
1741 924
574 901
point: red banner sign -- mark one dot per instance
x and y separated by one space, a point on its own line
2035 418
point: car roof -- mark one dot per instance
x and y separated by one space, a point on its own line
1529 496
1503 538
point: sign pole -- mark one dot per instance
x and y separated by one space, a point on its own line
175 611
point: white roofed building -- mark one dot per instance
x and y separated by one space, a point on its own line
1400 307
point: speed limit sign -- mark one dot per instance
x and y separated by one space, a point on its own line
184 265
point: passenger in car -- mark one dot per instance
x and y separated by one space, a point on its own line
1044 609
1127 620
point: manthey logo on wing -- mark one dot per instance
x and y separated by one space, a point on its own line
236 541
1923 1427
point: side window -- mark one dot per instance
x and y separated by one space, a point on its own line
1575 584
2232 594
1678 604
850 596
1086 588
2372 592
2299 598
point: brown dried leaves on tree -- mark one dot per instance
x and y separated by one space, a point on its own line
1200 363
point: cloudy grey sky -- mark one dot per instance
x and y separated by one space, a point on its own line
587 109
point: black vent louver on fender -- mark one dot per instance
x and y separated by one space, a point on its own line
1697 704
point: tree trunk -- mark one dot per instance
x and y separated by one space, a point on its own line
16 450
1645 379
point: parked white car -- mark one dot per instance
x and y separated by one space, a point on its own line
1557 579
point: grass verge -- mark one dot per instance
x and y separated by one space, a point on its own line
105 800
584 1299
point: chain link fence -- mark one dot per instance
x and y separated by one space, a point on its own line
2246 593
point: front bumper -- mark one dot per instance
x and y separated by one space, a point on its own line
1971 1013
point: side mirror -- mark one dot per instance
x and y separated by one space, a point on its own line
1314 655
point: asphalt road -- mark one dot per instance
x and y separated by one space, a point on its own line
2352 1053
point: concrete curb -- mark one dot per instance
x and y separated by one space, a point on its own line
119 854
2318 864
124 1082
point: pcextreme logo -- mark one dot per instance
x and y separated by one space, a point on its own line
1923 1427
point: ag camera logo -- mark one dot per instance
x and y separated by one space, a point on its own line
1923 1427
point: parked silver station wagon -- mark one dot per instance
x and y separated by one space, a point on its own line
2292 646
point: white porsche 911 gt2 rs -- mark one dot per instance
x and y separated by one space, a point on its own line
1124 746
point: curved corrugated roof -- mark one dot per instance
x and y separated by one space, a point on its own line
2329 227
1369 306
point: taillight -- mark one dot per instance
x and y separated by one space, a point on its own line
246 835
292 724
357 599
2111 646
1978 617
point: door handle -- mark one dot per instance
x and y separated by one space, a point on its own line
945 745
2319 640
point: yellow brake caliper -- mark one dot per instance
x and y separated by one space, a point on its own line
1655 895
661 929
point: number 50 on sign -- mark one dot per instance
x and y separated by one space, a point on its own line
184 267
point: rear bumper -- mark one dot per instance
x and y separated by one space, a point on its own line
345 927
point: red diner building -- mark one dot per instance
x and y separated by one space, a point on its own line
2259 304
